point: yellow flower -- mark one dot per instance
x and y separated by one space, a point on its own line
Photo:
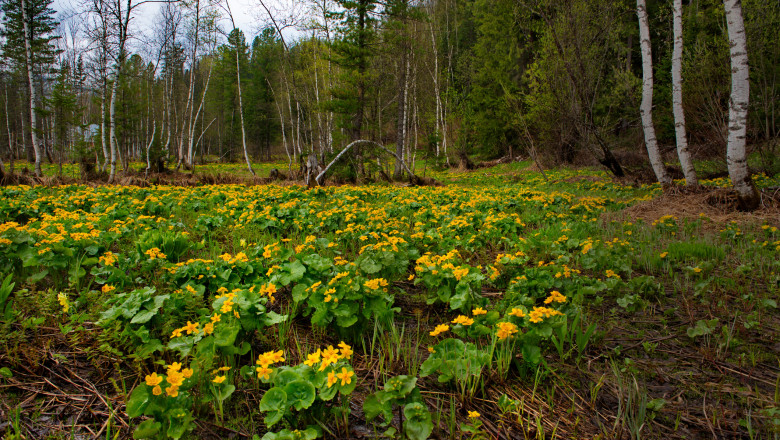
172 391
345 376
697 269
157 390
505 330
329 356
463 320
191 327
187 372
460 272
517 312
176 366
346 350
332 379
555 296
153 379
474 415
208 328
219 379
264 372
107 288
277 356
63 300
313 358
441 328
664 254
175 378
478 311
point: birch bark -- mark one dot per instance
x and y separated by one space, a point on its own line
677 108
646 108
736 156
33 92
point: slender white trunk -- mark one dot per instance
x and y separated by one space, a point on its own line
8 130
436 92
403 91
241 109
33 92
646 109
679 115
281 121
112 125
149 147
190 161
736 156
103 126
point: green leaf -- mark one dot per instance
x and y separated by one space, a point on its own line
143 317
138 400
150 347
417 425
376 405
225 334
300 394
274 402
370 266
224 391
179 420
147 429
299 293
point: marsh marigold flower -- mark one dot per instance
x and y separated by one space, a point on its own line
441 328
505 330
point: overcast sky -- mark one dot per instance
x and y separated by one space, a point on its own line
249 15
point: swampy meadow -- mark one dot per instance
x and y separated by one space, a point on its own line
502 303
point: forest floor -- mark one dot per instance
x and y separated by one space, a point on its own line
575 307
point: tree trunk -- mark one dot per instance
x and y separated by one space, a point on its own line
112 126
241 112
33 92
646 109
679 115
736 157
190 161
400 142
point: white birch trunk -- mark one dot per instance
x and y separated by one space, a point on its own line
241 111
736 156
646 108
112 126
103 126
190 158
33 92
679 115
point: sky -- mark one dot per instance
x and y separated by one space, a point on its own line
249 15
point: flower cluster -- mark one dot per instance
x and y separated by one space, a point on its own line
175 377
155 253
265 360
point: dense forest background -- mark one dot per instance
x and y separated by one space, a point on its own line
438 79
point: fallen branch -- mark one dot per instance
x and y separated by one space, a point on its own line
358 142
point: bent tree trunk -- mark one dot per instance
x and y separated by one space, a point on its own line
736 158
646 108
677 108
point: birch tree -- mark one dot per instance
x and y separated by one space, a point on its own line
646 108
736 157
238 86
677 108
27 28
